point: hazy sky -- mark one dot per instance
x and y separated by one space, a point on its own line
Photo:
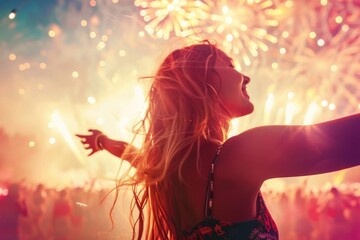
67 76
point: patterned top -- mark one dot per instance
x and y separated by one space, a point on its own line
262 227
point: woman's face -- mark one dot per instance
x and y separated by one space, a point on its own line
233 84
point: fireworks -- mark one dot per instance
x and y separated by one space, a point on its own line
180 17
336 14
328 67
244 27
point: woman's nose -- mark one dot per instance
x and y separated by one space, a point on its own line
246 79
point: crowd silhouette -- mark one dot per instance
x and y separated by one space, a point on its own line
76 213
69 213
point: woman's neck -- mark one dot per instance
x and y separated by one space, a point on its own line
218 131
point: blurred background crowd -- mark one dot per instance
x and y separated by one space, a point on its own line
35 212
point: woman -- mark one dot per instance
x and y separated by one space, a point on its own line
193 181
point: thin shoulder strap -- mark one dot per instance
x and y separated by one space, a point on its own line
210 187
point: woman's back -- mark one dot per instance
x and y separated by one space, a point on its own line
237 207
239 197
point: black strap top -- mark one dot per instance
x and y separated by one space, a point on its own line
262 227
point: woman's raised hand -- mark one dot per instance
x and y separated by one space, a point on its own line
97 141
92 141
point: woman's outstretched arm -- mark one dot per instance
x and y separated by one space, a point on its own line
97 141
286 151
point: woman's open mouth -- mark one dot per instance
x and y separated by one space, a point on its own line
245 92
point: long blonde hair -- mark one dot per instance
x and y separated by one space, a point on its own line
183 110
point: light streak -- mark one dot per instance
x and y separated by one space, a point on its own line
339 177
289 113
309 117
268 107
81 204
68 137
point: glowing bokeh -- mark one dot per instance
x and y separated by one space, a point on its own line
12 14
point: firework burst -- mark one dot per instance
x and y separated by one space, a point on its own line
335 14
243 27
180 18
331 69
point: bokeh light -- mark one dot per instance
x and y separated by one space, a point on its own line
12 14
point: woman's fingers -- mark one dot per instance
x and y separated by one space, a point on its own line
81 136
94 131
88 140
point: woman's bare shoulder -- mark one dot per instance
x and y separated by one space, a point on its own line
239 158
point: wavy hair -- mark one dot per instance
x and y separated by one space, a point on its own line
184 110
